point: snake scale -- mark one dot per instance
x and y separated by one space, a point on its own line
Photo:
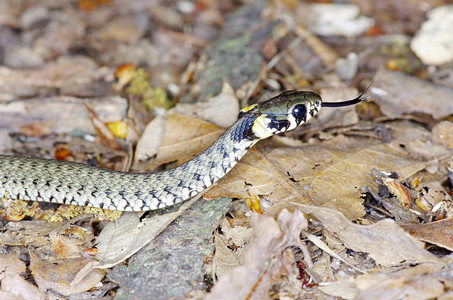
55 181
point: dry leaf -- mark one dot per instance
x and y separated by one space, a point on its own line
51 240
430 194
103 132
28 233
399 94
70 74
327 174
424 281
68 242
254 175
327 55
10 265
12 284
416 140
64 154
151 139
59 275
345 289
122 238
224 257
439 233
225 102
230 246
267 258
184 138
400 191
387 243
61 240
15 286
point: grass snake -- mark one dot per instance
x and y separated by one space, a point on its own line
46 180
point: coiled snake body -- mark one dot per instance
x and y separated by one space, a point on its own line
79 184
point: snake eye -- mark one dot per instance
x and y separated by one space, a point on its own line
299 112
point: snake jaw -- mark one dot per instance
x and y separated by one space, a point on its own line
261 128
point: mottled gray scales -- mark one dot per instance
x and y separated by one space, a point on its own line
79 184
75 183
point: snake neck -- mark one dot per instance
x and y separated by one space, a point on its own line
219 158
200 173
78 184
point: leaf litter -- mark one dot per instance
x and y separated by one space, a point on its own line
267 255
329 173
317 173
13 284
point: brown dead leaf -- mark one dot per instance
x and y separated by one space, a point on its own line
62 240
424 281
16 287
230 246
439 233
121 239
68 242
60 34
151 139
13 285
59 276
345 289
184 138
225 102
400 191
267 258
387 243
55 240
254 175
430 194
400 94
64 154
10 264
225 258
103 132
327 174
27 233
416 140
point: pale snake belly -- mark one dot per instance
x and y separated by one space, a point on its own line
55 181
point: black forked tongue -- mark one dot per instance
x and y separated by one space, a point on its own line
356 100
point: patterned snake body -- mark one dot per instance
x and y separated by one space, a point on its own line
79 184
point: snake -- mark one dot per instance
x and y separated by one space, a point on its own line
47 180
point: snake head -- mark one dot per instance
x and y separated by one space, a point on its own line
282 113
